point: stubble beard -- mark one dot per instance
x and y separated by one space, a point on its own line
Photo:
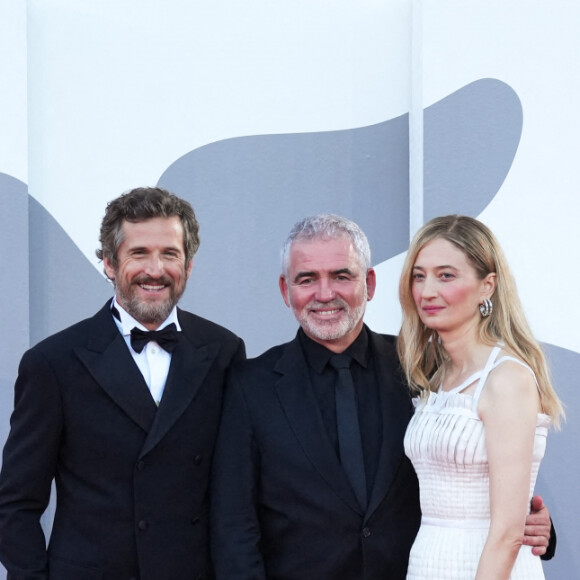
331 330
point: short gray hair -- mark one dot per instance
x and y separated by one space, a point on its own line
327 227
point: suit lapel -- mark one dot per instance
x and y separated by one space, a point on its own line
109 361
189 367
296 396
396 410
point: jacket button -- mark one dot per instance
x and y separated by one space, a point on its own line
195 520
197 459
366 532
140 466
143 525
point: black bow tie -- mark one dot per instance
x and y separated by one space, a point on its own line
166 338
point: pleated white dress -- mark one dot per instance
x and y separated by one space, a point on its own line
445 440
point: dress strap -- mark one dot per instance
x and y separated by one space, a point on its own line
471 379
489 365
521 363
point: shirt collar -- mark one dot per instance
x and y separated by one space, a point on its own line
318 355
127 322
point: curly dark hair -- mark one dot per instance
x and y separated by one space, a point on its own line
138 205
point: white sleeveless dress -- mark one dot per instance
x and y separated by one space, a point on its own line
445 441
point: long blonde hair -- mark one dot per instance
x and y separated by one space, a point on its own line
420 351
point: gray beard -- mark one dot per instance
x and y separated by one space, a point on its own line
149 313
333 332
145 313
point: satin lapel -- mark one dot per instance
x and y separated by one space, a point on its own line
396 412
189 367
295 393
108 360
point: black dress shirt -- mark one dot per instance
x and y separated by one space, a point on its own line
363 370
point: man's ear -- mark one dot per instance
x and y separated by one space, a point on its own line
284 289
109 270
371 280
189 268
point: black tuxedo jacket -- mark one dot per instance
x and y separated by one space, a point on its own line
282 508
131 479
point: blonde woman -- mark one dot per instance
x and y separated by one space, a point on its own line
484 405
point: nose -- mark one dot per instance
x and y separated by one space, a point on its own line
326 291
428 288
154 266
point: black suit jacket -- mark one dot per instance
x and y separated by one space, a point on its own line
282 507
131 479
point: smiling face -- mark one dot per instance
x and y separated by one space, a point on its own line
446 289
150 276
327 289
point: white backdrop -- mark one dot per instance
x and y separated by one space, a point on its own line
104 96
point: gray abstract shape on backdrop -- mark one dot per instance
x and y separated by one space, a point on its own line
14 339
557 483
470 141
64 286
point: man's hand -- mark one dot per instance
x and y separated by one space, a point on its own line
538 525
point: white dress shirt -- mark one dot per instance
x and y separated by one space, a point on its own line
153 361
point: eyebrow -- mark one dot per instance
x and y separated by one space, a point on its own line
303 275
146 249
313 274
438 267
343 271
